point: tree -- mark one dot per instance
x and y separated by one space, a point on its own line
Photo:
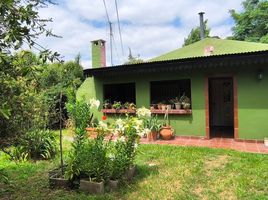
251 24
20 24
132 59
194 35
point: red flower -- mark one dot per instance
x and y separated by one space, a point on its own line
104 118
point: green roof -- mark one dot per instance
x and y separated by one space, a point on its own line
220 47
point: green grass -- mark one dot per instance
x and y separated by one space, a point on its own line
164 172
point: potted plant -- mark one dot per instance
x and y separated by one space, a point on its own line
166 131
117 105
154 126
185 102
176 102
107 104
93 163
126 105
132 106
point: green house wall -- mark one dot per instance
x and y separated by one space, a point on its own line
252 99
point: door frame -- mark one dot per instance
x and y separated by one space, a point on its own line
208 135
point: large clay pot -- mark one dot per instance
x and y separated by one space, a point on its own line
166 132
152 136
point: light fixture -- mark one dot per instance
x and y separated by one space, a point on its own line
260 75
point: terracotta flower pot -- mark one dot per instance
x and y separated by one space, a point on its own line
166 132
177 106
152 136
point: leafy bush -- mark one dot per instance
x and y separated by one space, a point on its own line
36 144
3 177
118 159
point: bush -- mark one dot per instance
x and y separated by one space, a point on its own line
36 144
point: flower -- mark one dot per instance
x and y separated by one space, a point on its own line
103 125
135 145
122 139
104 117
143 112
111 156
94 103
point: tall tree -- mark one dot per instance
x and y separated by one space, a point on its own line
194 35
20 24
252 23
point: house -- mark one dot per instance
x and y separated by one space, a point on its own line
226 81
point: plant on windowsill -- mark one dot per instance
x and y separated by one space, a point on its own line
166 131
185 102
126 105
107 104
117 105
132 106
176 101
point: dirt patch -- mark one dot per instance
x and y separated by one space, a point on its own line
215 163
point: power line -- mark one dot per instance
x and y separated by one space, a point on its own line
111 31
119 27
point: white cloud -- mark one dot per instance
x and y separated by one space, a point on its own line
149 31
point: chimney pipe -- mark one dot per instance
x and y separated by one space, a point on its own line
202 25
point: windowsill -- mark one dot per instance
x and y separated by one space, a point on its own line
111 111
172 112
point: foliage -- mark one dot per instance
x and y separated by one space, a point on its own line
21 24
36 144
94 160
152 124
117 105
118 160
30 92
19 95
59 78
194 35
251 24
79 113
133 60
3 177
178 169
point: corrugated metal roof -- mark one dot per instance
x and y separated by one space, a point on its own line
216 46
230 60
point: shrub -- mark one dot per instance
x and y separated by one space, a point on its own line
118 159
89 158
36 144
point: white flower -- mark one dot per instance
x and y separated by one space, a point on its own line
135 145
119 122
147 131
111 156
103 125
94 103
143 112
122 139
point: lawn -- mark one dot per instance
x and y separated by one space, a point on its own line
164 172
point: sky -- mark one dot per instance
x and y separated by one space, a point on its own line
149 27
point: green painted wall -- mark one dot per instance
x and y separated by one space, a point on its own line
253 105
252 99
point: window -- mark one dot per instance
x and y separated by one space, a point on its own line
164 91
124 92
